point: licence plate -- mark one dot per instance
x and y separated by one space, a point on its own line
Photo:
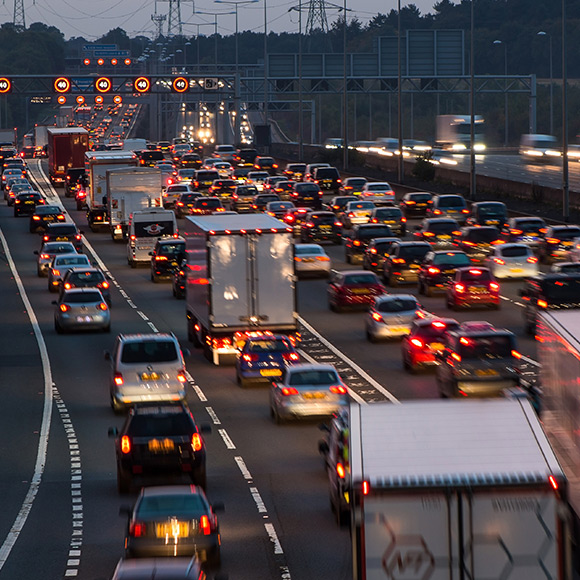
172 530
325 227
271 372
566 243
161 445
477 289
308 259
437 346
174 263
314 395
389 221
150 376
399 329
61 239
84 318
421 205
445 237
516 270
28 202
415 266
486 373
308 199
360 291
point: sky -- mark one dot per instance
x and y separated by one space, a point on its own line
92 19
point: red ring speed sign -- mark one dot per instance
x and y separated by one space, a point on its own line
117 99
5 85
103 84
180 84
99 100
61 85
80 100
142 85
61 100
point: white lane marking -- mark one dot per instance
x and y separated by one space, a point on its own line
352 394
243 468
350 362
260 505
200 394
213 416
531 361
26 507
224 435
274 539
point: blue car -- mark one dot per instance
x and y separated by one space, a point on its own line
263 357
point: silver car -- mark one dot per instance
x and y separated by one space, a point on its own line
81 309
61 264
513 261
307 390
311 259
47 253
391 316
146 368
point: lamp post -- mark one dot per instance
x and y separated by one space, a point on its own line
565 181
400 164
236 3
215 24
472 174
344 94
266 122
505 95
300 128
542 33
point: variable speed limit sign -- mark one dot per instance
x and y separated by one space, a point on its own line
61 85
103 84
180 84
142 85
5 85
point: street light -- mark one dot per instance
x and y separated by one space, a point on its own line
542 33
472 173
300 131
215 23
565 180
505 95
400 163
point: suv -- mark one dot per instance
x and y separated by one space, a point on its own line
488 213
557 243
204 179
327 178
478 363
146 367
225 152
166 256
64 233
404 262
478 241
149 158
357 239
549 291
321 226
307 194
159 439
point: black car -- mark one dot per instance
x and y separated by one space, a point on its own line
245 157
159 440
150 158
404 262
266 164
376 252
392 216
26 203
525 230
415 204
440 233
223 188
438 268
550 291
185 203
307 194
321 226
204 179
72 180
357 239
327 178
261 200
557 243
338 203
478 241
166 257
295 171
44 215
86 278
192 160
64 233
488 213
178 280
283 189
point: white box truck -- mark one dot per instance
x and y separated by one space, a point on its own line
454 132
240 279
97 163
40 140
466 490
131 189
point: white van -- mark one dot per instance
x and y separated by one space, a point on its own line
145 228
538 147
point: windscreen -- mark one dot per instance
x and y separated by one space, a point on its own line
149 351
173 425
374 232
441 227
451 201
485 347
397 305
492 210
515 252
420 197
154 229
482 235
172 249
314 377
562 290
60 230
529 226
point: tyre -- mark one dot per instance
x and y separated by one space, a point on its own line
132 263
123 480
371 337
348 258
107 328
58 327
117 408
214 559
154 278
428 290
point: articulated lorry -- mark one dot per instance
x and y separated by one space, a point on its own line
97 163
66 150
8 138
131 189
240 280
450 489
454 132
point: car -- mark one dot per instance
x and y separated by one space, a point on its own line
414 204
190 160
257 179
225 152
43 215
338 203
173 192
61 264
294 218
566 267
25 203
352 186
240 174
204 179
145 368
352 289
206 206
488 213
170 521
393 217
439 233
478 363
478 242
263 357
391 316
73 178
473 287
263 163
309 170
379 192
376 252
525 230
512 261
150 157
307 194
242 198
311 259
245 157
557 243
356 212
328 179
81 309
449 205
283 189
224 168
27 152
166 256
551 290
178 280
67 232
15 186
223 188
404 261
321 226
438 268
426 338
295 171
11 173
357 240
48 251
278 209
87 278
185 203
270 183
306 391
261 200
161 569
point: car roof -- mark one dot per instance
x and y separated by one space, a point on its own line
388 297
309 246
310 367
81 291
156 491
429 321
147 336
472 332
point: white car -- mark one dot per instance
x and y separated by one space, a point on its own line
391 316
357 212
566 268
173 192
224 168
379 192
513 261
258 179
311 259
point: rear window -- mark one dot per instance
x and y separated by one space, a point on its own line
173 425
171 249
451 259
413 252
485 347
177 188
266 198
247 191
388 212
529 226
383 248
154 229
81 297
299 167
47 209
356 182
441 227
377 187
208 203
323 219
79 260
278 345
86 277
152 155
308 250
492 210
188 196
561 290
314 377
327 173
482 235
62 229
566 234
475 275
58 249
515 251
435 330
361 205
306 188
361 279
397 305
187 506
420 197
369 233
149 351
451 202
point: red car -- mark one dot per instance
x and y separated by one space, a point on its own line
353 288
295 217
472 287
427 337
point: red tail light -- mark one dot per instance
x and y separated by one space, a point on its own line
64 307
125 444
533 260
196 443
516 354
204 525
417 342
464 211
542 303
340 471
398 260
338 390
137 529
455 356
181 377
287 391
291 356
36 218
499 261
78 237
250 357
103 306
494 286
459 288
45 256
433 270
118 379
160 258
376 316
552 241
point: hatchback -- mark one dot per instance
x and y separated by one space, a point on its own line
415 204
48 251
353 289
294 218
513 261
257 179
381 193
25 203
321 226
43 215
61 264
449 205
207 206
438 268
173 192
295 171
261 200
376 252
283 189
87 278
81 309
166 256
357 240
478 242
473 287
393 217
327 178
439 233
391 316
352 186
67 232
185 203
338 203
307 194
488 213
278 209
311 259
558 242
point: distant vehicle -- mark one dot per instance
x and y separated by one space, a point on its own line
539 147
311 259
454 132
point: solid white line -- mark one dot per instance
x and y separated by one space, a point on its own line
46 415
341 355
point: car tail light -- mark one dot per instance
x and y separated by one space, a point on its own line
204 525
433 270
78 237
464 211
475 272
497 242
287 391
118 379
68 286
455 356
459 288
196 443
36 218
417 342
323 258
291 356
64 307
543 230
376 316
160 258
465 341
552 241
340 471
403 220
410 202
516 354
338 390
428 234
398 260
137 529
338 224
516 232
467 243
499 261
104 285
45 256
533 260
126 444
494 286
542 303
250 357
437 212
103 306
60 217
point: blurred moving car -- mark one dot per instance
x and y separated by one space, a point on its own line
439 233
353 289
566 268
357 240
166 256
391 216
438 268
391 316
376 252
46 254
81 309
321 226
178 280
161 569
352 186
43 215
473 287
379 192
513 261
415 204
25 203
61 264
449 205
557 243
311 259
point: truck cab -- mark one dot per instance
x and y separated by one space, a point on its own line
145 228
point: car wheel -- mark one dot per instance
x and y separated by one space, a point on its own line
428 290
199 477
154 278
107 328
348 258
39 272
496 306
371 337
58 327
123 480
420 287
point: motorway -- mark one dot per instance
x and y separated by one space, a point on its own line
60 513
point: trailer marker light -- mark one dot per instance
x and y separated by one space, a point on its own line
366 487
553 482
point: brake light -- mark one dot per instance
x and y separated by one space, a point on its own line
160 258
433 270
36 218
542 303
56 272
323 258
376 316
340 471
543 230
494 286
552 241
64 307
338 224
533 260
196 443
465 341
67 286
417 342
455 356
475 272
516 232
338 390
290 356
428 234
438 324
286 391
78 237
125 444
366 487
464 211
204 525
398 260
118 379
181 377
499 261
45 256
103 306
468 243
459 288
516 354
403 220
137 529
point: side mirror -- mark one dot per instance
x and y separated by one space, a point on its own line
113 432
82 232
185 352
54 302
107 355
150 253
522 292
205 428
324 427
